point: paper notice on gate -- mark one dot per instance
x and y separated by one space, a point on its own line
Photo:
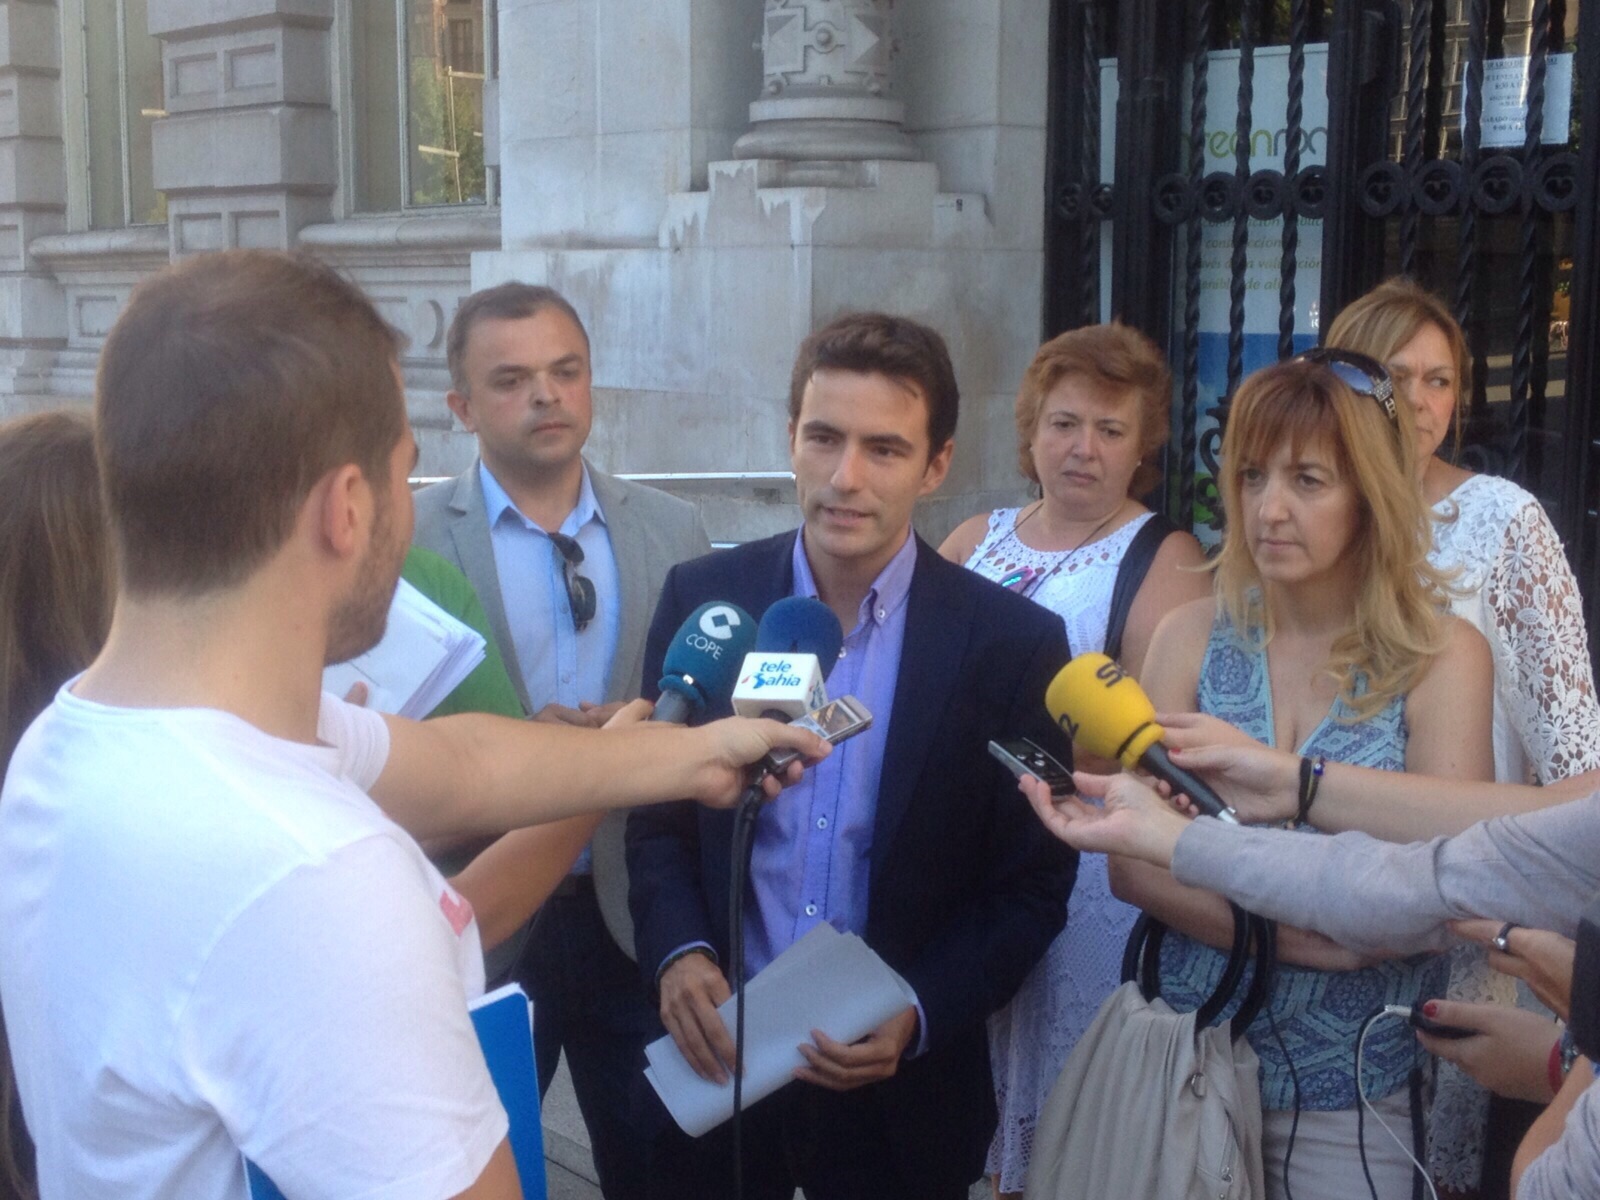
827 980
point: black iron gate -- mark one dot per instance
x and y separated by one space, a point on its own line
1396 177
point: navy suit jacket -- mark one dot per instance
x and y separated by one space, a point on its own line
967 890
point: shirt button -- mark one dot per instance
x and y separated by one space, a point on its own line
811 910
883 614
843 653
567 678
822 822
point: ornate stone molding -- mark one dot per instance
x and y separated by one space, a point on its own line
827 96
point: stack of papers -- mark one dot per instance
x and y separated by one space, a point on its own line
424 656
827 980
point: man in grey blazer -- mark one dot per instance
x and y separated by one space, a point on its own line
568 562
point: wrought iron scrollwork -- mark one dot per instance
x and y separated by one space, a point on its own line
1173 199
1219 196
1383 189
1497 184
1438 187
1266 195
1555 183
1101 198
1069 201
1310 192
1076 202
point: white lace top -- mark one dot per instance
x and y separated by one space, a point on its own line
1521 596
1518 591
1030 1038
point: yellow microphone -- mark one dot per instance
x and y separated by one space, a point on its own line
1104 710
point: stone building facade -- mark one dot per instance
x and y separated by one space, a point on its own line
706 179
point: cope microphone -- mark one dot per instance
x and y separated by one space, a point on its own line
702 661
1101 708
797 643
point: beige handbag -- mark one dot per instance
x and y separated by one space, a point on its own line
1155 1104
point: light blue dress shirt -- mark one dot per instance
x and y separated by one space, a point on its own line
558 663
812 860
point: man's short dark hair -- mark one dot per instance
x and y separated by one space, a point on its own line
877 343
231 384
503 302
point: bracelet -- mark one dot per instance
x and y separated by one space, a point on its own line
1310 778
1555 1073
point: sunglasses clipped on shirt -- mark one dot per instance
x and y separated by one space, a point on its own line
1362 375
580 588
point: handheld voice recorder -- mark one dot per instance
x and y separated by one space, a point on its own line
1025 757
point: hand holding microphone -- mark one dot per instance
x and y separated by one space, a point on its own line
1104 710
699 668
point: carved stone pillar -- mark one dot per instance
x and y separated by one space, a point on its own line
248 153
828 69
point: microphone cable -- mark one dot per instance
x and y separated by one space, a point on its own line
744 830
1403 1011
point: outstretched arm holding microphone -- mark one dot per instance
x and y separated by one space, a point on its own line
1260 782
1537 869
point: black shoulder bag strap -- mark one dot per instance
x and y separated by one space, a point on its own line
1254 940
1131 571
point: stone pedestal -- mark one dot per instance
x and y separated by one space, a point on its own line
699 277
248 153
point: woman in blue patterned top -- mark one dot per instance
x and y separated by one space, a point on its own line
1329 633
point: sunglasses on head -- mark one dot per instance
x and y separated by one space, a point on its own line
1362 375
580 588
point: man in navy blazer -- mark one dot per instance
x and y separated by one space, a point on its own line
909 835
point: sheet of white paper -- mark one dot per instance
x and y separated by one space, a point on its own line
424 654
827 980
1505 101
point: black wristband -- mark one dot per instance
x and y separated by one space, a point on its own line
1310 777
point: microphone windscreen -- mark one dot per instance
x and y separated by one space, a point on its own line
703 659
1102 708
801 625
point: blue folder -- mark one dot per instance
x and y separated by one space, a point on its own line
505 1031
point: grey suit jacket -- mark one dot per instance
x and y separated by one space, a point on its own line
650 533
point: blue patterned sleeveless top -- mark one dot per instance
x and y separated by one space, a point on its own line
1317 1013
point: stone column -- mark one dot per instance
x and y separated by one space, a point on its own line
32 190
248 153
828 79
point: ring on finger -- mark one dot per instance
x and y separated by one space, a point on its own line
1499 941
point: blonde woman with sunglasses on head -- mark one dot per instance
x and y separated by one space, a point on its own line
1330 635
1512 581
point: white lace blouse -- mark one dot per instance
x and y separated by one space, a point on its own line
1520 594
1516 588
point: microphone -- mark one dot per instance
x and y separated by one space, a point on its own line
702 661
1103 709
797 643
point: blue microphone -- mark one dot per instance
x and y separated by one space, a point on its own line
702 661
802 625
796 646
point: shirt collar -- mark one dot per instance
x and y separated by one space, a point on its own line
887 593
497 502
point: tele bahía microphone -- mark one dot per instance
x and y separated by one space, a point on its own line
702 661
1104 710
797 643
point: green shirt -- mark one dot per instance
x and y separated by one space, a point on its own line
488 689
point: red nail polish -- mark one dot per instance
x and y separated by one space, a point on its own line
1430 1009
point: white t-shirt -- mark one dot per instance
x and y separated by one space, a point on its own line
212 941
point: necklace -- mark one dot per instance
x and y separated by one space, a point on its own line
1027 580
